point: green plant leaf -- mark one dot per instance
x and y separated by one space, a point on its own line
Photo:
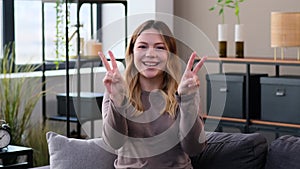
237 11
228 2
221 11
222 4
212 8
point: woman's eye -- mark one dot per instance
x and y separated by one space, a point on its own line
142 46
160 48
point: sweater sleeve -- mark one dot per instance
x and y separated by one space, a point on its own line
191 126
115 129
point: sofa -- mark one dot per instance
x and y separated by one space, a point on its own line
223 151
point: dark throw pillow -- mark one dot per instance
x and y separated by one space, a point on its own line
284 153
232 151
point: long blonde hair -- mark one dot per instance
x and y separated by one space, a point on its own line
172 73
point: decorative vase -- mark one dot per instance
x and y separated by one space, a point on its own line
222 38
239 40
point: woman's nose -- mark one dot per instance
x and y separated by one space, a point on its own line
150 52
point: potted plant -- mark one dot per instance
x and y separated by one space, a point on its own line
239 31
222 28
19 94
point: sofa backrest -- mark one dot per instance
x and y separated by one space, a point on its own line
284 153
232 151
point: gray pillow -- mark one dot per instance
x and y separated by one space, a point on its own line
67 153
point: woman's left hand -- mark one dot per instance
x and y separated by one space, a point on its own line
190 81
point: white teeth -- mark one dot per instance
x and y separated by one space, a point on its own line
150 63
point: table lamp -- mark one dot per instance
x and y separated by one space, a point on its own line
285 31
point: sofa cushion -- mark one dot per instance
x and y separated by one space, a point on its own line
232 151
284 152
66 153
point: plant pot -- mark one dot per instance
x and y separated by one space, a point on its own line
222 38
239 40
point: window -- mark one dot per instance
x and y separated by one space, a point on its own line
28 28
28 32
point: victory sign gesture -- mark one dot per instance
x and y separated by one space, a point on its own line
190 82
113 80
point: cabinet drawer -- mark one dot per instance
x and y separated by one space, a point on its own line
226 95
281 99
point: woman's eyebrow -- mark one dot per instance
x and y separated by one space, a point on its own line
156 43
160 43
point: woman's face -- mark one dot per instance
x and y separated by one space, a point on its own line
150 54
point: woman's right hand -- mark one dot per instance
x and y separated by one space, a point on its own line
113 80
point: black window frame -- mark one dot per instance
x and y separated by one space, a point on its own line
9 36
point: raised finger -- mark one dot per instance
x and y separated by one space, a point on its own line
113 60
199 64
191 62
104 61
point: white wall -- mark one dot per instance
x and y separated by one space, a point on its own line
142 10
255 14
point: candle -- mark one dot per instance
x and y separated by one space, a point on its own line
92 48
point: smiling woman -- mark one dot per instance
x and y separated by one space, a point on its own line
152 117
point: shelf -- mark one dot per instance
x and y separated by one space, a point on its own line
220 122
87 59
252 124
63 118
72 119
259 122
78 62
255 60
277 124
225 119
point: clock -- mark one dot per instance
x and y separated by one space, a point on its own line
5 135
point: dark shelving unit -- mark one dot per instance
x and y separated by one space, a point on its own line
79 62
248 124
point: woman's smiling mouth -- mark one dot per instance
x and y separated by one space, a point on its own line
150 63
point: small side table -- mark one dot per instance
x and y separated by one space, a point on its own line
13 152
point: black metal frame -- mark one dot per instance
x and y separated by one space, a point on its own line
79 61
8 21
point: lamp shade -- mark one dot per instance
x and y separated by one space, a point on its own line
285 29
